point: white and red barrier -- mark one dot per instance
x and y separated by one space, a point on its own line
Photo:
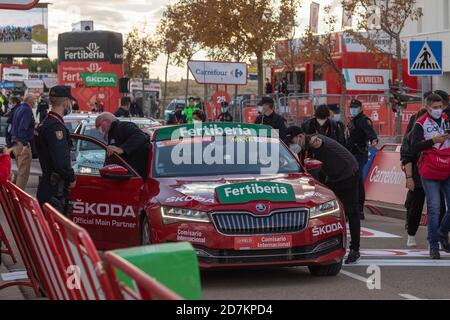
61 259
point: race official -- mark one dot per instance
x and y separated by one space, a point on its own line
269 117
53 144
124 109
342 176
361 135
126 140
430 139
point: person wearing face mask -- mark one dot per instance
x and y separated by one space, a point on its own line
321 124
225 116
53 144
292 139
341 171
361 136
269 117
125 139
430 138
335 116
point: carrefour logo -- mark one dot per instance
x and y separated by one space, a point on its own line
237 73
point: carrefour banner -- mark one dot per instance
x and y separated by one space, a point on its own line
99 79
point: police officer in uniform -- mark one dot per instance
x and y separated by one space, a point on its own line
361 135
53 144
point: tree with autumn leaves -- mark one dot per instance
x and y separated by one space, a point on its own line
321 50
234 29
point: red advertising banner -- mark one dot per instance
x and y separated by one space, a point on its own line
69 74
386 180
250 114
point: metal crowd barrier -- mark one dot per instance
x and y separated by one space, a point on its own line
61 260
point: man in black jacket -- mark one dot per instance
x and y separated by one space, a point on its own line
269 117
342 176
322 124
124 109
126 140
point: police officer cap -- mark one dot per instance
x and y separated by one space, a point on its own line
355 104
334 107
266 100
61 92
293 132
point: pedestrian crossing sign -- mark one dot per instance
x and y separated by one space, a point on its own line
425 58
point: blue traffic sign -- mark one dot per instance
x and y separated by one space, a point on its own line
425 58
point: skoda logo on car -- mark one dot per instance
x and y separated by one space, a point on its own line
261 207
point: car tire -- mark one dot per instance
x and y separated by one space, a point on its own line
329 270
145 231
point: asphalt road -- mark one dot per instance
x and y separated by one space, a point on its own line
403 274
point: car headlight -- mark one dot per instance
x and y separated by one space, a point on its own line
169 214
330 208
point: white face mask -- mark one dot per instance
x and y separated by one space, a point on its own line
295 148
100 130
260 109
196 121
321 121
436 113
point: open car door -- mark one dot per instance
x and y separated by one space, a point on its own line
108 197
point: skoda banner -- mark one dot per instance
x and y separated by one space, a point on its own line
99 79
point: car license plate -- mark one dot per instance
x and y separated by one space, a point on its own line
263 242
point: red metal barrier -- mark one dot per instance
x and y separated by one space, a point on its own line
61 259
22 246
8 250
80 257
40 243
146 288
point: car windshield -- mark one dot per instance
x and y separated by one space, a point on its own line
90 131
175 105
212 156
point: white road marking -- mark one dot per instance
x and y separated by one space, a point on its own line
401 263
400 253
354 276
371 233
408 296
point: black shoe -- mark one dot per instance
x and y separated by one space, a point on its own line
445 244
353 257
362 216
434 254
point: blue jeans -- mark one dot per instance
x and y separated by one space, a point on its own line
433 191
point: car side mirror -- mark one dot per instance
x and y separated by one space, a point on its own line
115 172
312 164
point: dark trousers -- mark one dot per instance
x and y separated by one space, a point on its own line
58 199
348 192
362 161
415 201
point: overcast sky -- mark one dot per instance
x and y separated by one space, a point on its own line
121 15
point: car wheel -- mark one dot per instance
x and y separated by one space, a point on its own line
329 270
145 231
